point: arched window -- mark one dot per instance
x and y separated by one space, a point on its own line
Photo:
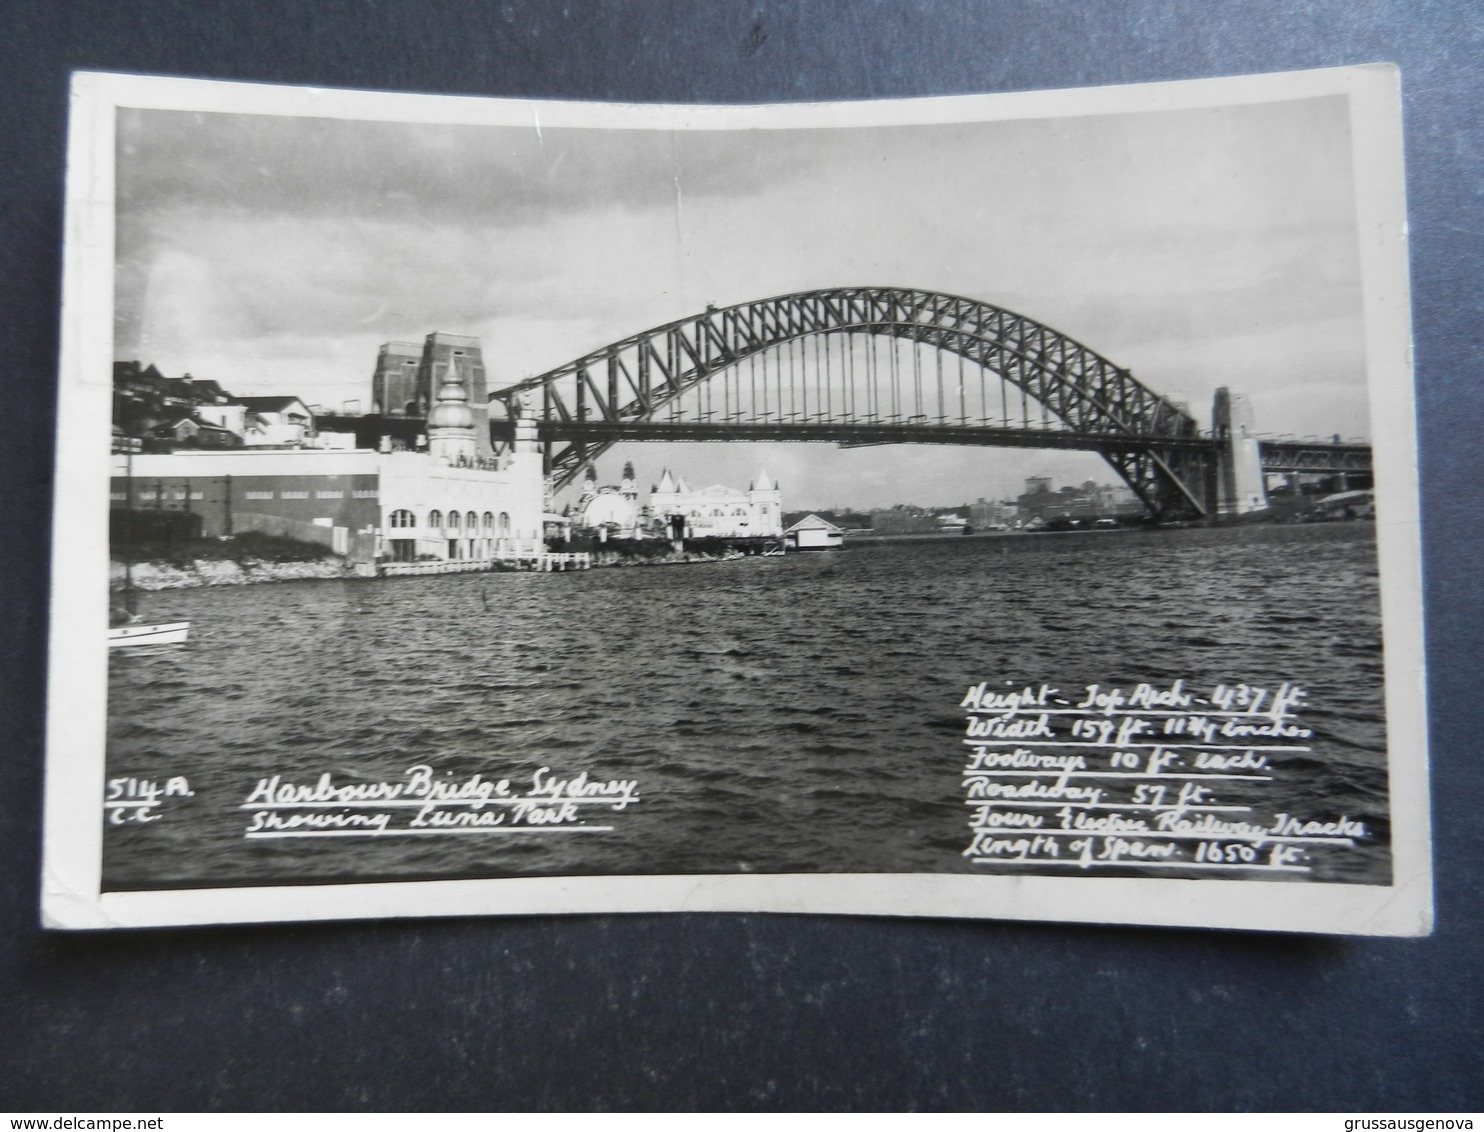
718 513
504 522
403 519
435 518
471 522
489 521
740 512
453 520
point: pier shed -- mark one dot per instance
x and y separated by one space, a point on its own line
813 533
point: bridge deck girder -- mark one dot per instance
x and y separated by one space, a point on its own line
850 434
1317 458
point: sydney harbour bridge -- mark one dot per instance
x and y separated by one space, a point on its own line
884 365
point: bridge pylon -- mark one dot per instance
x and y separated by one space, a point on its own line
1240 486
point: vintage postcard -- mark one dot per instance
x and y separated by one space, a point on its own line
997 506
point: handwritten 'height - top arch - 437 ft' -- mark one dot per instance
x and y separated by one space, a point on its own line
870 365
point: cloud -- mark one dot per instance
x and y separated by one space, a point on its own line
1199 248
424 173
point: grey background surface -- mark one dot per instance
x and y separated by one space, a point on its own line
751 1012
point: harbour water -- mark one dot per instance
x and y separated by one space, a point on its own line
796 714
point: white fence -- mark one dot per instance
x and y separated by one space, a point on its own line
543 561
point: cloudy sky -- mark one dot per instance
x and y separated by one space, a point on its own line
1197 248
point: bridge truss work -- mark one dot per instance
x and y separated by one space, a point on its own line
1315 457
866 366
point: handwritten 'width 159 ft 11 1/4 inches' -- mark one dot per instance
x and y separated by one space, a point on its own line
1147 777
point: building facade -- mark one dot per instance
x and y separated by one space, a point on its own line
1085 503
718 511
904 521
813 533
612 509
330 498
275 421
991 515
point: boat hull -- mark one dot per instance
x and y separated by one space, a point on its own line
127 635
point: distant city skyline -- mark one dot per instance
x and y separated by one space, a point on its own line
964 477
1198 248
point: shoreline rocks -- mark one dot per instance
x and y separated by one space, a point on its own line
225 572
152 575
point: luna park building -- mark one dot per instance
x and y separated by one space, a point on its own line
455 500
675 510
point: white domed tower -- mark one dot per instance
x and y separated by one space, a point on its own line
662 495
527 475
451 434
627 487
766 500
589 485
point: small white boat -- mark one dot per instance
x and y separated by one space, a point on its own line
124 629
171 634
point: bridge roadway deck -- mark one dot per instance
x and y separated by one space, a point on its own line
855 434
1277 455
1314 456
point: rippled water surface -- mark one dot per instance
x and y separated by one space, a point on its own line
794 714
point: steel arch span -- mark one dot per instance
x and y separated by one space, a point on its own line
808 366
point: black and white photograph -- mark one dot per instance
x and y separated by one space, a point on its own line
1000 506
